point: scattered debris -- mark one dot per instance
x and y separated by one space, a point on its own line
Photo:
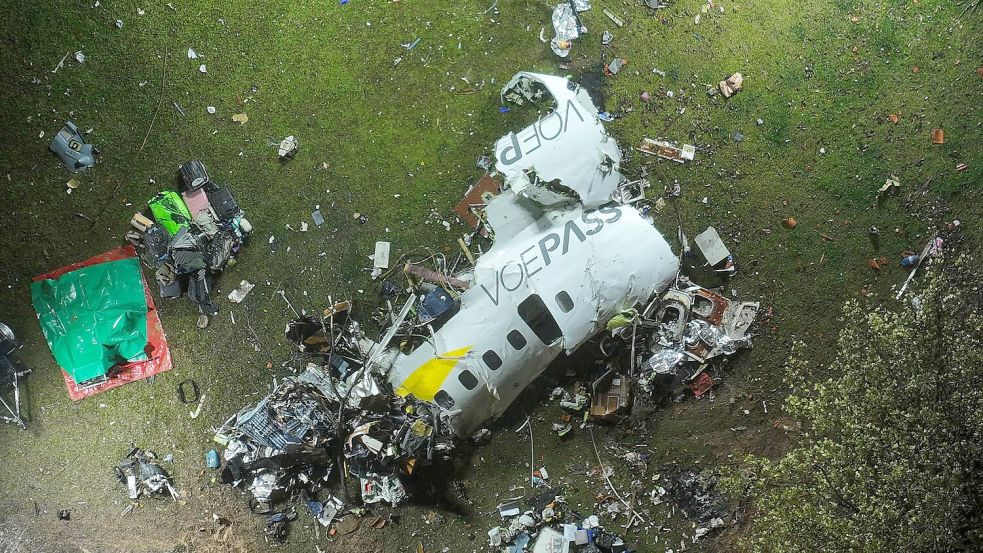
933 248
891 187
789 222
938 136
142 475
196 235
555 526
715 252
240 118
11 373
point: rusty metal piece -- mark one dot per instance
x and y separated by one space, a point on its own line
431 276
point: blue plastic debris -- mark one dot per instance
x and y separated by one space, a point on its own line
211 458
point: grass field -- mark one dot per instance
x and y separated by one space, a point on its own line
400 140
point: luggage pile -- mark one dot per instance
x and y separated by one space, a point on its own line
192 236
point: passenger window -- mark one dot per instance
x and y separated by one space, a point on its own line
443 399
517 340
564 301
533 311
467 378
492 359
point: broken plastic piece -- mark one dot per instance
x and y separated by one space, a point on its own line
536 162
287 148
239 294
72 150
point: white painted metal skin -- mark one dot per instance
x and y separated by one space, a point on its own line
576 263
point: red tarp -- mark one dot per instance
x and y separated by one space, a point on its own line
158 356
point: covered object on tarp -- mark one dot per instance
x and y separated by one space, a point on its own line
99 313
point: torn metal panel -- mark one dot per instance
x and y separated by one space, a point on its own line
711 246
699 323
509 214
565 156
477 197
668 150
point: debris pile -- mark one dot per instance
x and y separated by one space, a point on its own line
192 237
679 332
286 446
549 525
143 475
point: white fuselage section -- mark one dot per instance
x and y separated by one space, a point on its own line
547 289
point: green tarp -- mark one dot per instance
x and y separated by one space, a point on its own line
94 317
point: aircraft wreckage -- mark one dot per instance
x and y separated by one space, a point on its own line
575 256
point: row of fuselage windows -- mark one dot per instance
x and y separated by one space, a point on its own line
534 312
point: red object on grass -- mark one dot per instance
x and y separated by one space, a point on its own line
158 355
701 384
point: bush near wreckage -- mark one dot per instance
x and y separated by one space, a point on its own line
891 456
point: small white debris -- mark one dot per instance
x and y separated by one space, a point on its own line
822 151
140 11
210 109
202 68
760 121
80 57
119 23
192 55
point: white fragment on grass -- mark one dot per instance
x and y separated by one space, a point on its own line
202 68
211 110
192 55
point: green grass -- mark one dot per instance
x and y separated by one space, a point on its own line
325 75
